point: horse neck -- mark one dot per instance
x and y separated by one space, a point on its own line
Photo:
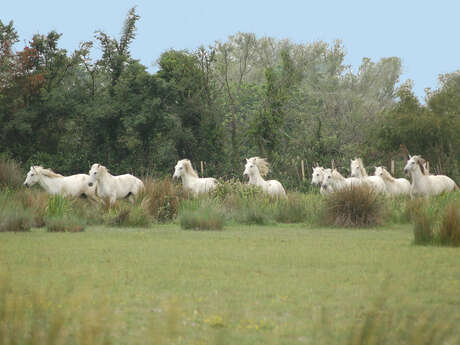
105 178
188 180
256 179
418 177
50 184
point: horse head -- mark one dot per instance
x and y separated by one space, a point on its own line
32 176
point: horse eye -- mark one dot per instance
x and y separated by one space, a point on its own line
328 177
31 174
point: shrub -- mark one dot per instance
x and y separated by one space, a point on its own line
294 209
11 174
128 215
355 206
161 198
65 224
206 217
423 227
15 219
254 214
36 201
58 205
449 232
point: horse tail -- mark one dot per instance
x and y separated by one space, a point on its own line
456 187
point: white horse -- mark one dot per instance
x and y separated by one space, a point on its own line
257 167
394 186
52 183
190 180
358 171
317 179
113 187
424 184
333 181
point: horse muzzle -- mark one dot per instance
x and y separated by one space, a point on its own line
26 184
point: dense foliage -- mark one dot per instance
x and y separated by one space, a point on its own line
219 104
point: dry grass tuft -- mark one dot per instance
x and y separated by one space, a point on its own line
356 206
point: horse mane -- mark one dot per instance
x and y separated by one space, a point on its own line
420 161
188 167
336 174
261 164
361 167
46 172
386 175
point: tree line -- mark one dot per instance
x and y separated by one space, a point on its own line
242 97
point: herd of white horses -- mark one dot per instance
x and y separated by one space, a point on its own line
100 184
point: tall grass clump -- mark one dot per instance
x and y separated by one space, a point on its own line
423 221
11 174
204 217
449 231
58 205
161 198
355 206
68 223
15 218
125 214
436 221
297 208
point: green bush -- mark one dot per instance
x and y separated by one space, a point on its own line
293 209
127 215
205 217
255 214
161 198
66 223
11 174
15 218
355 206
58 206
449 231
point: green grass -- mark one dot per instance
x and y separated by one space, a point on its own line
283 284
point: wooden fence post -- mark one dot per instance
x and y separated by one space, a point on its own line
392 167
202 168
428 167
303 170
332 164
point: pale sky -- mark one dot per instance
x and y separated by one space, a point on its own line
424 34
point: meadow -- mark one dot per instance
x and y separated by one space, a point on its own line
284 284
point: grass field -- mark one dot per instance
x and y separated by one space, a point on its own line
284 284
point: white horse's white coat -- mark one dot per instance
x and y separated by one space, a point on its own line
113 187
317 179
190 180
394 186
253 169
426 185
358 171
333 181
52 183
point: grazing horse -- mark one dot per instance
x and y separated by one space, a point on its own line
257 167
113 187
424 184
394 186
317 179
333 181
358 171
190 180
52 183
